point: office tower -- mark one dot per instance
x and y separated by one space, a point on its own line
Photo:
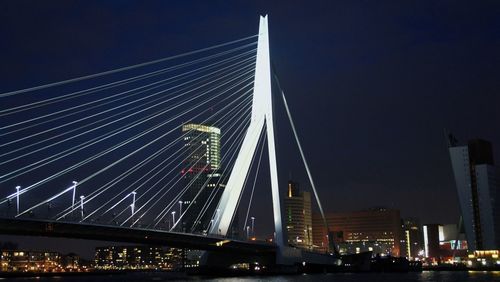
203 146
412 241
376 229
478 187
202 175
298 216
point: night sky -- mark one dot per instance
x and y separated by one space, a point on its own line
371 84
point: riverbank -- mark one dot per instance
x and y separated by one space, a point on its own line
172 274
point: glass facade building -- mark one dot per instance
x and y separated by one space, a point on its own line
477 183
202 175
298 216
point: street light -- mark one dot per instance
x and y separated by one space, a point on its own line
81 204
17 198
253 225
248 232
133 202
73 199
173 217
180 214
217 215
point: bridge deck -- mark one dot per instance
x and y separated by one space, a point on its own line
130 235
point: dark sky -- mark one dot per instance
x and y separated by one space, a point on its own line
371 84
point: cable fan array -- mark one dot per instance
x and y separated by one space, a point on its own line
131 146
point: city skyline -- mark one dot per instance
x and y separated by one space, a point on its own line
372 104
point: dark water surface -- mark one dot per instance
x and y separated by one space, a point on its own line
476 276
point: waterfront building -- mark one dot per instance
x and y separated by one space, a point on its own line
30 261
144 257
412 245
431 234
173 258
298 216
72 261
129 257
443 243
478 187
452 239
377 230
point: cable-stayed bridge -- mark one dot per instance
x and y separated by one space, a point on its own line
157 153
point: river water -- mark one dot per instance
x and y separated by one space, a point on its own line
438 276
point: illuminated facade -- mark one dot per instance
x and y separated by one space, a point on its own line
130 257
477 182
203 146
30 261
412 245
298 216
201 171
484 259
377 230
443 242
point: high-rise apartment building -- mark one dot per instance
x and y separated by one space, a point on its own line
202 175
478 188
298 214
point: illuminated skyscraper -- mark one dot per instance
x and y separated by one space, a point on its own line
298 216
201 171
412 240
203 146
478 189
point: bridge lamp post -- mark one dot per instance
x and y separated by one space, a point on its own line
253 225
133 202
74 194
248 232
173 217
17 197
81 204
180 212
217 215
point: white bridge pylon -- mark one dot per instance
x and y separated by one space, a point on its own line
262 115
